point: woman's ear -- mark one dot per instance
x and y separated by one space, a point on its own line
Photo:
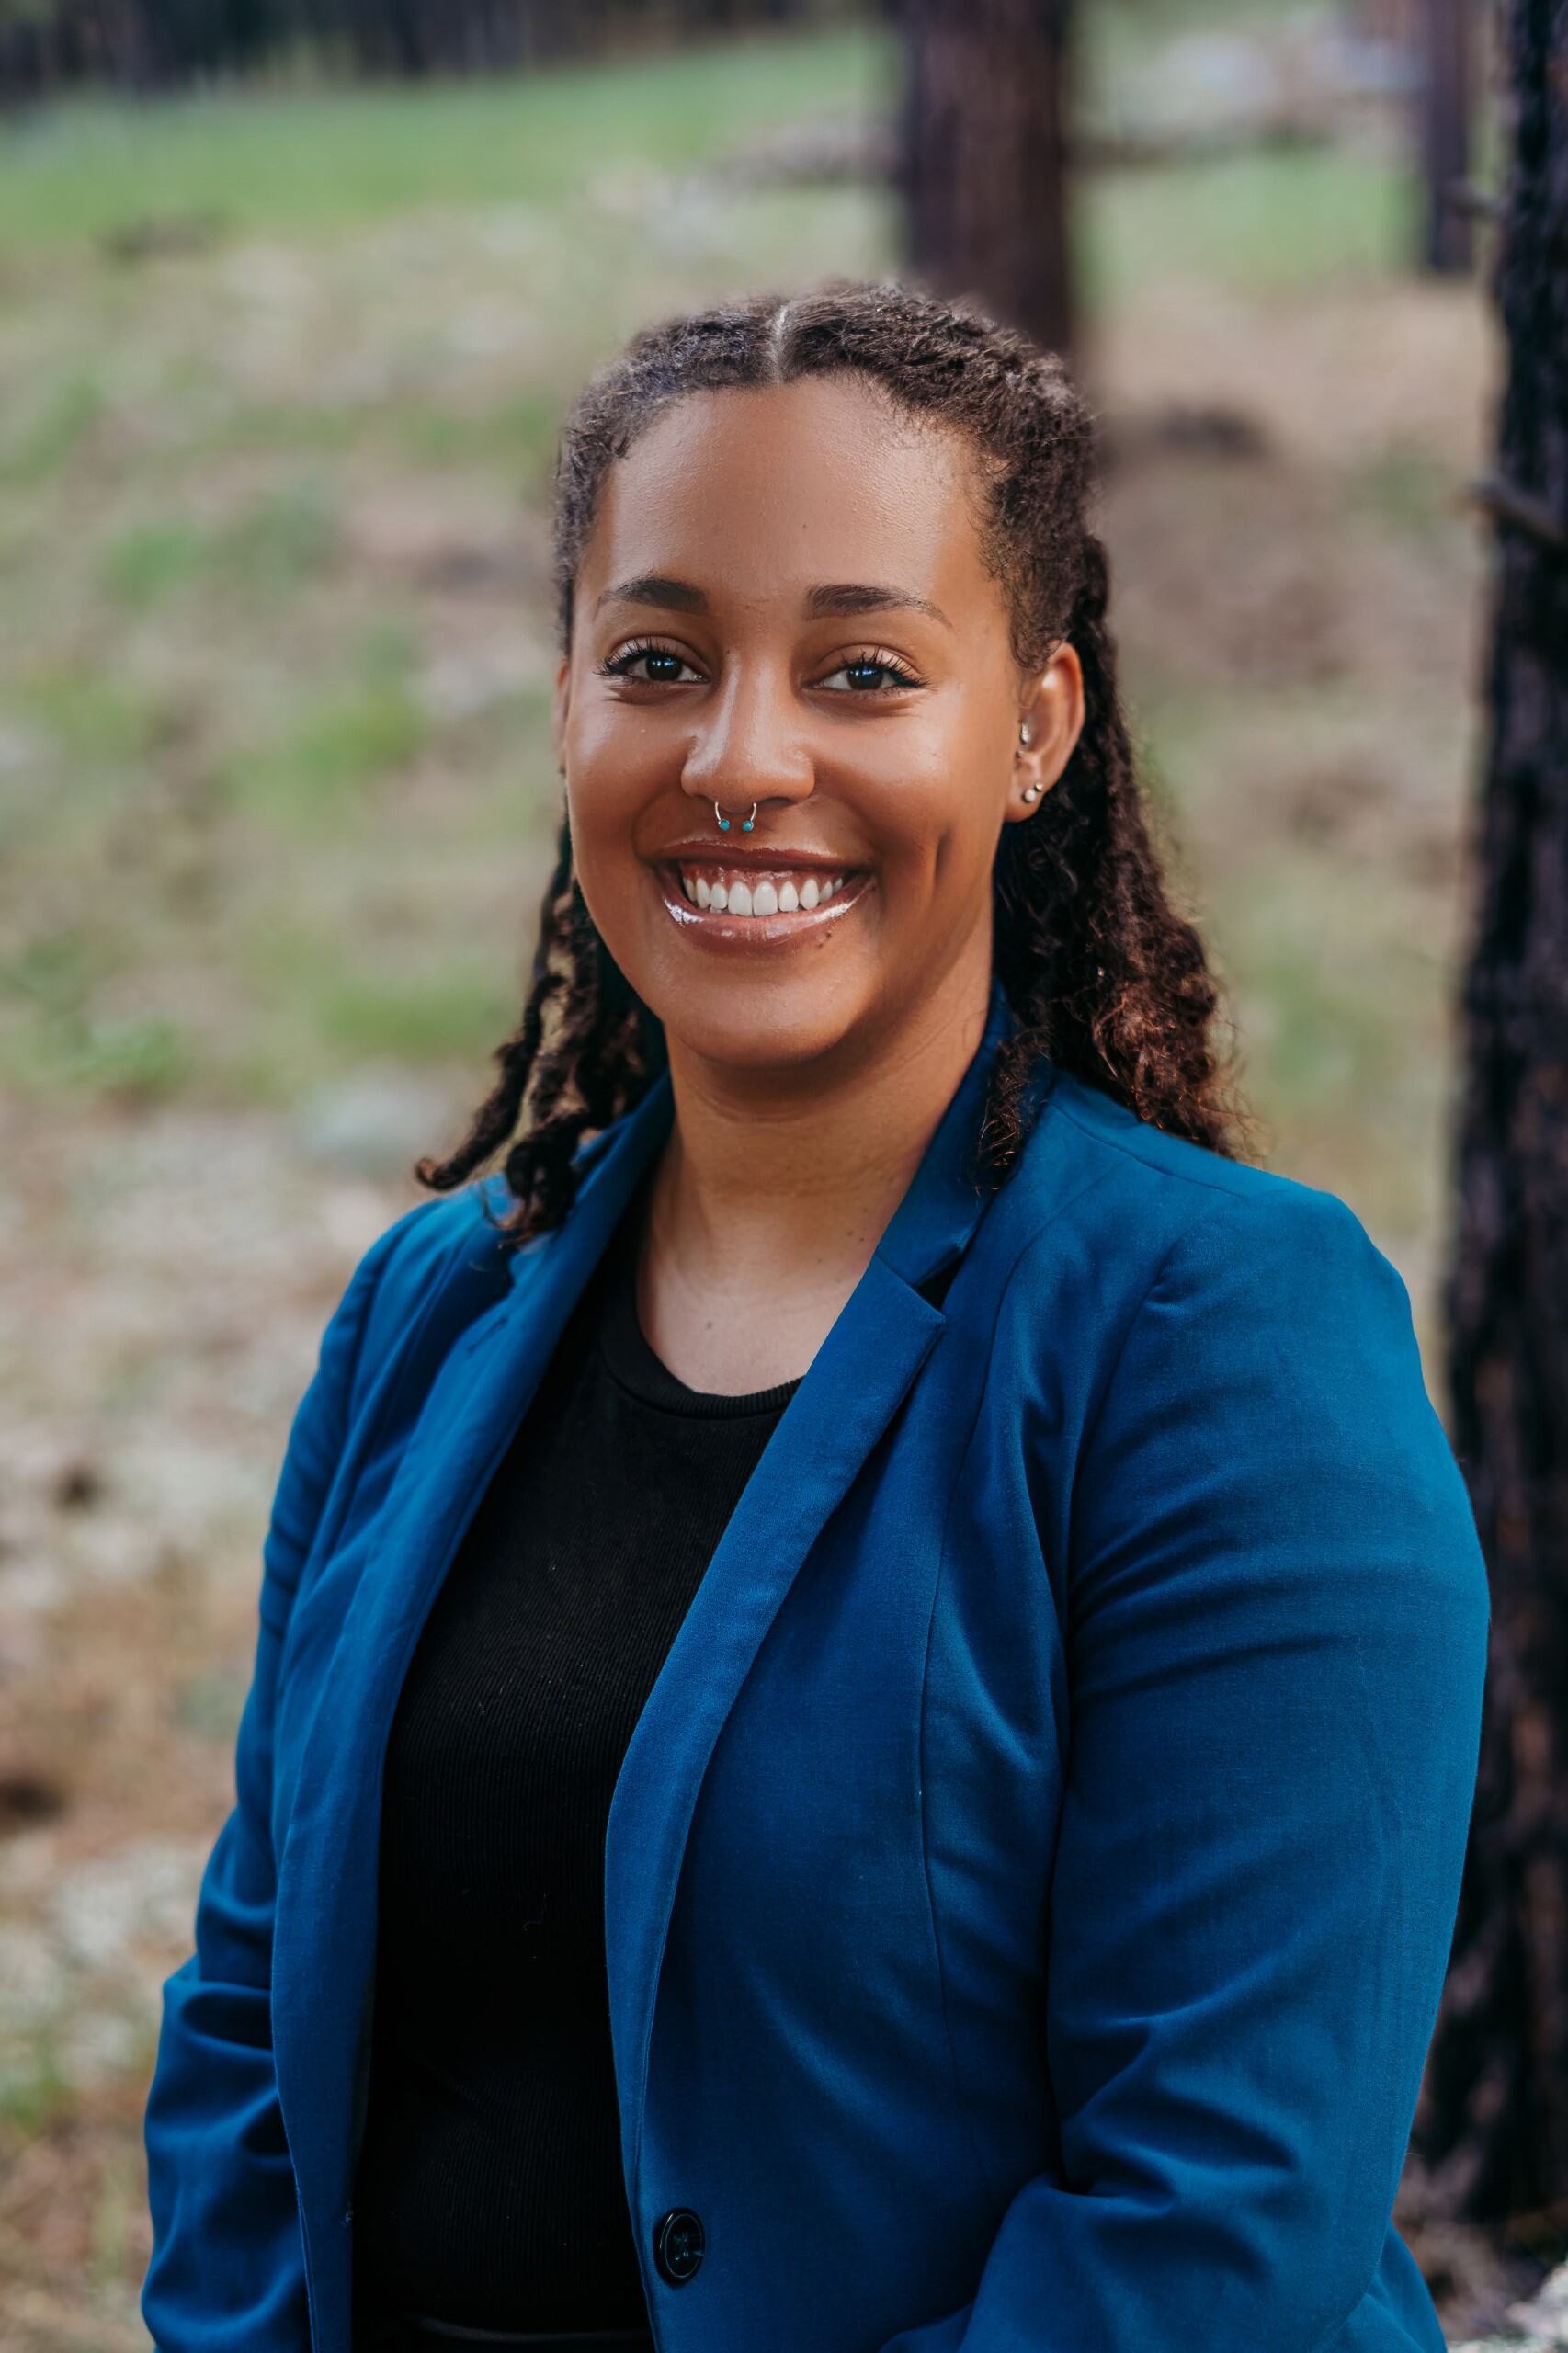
1049 724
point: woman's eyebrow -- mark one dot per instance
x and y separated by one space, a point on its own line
654 589
830 597
857 596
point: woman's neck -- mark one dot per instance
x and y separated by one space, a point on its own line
766 1204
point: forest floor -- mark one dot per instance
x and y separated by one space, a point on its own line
276 802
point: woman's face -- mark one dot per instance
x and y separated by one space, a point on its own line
782 601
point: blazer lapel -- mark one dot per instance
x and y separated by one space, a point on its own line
325 1917
854 1386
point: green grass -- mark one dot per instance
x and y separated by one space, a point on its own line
335 1002
60 1041
309 162
270 549
90 717
282 164
517 432
1411 490
147 562
332 748
1117 32
279 541
43 431
35 2089
1274 223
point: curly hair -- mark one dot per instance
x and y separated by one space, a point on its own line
1104 977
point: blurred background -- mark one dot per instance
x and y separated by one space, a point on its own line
292 293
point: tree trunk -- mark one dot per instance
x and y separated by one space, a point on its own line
1492 2125
1444 104
981 161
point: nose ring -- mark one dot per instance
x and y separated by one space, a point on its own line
746 823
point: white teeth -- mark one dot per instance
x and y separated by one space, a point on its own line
765 896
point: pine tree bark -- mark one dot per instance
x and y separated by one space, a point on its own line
981 161
1492 2124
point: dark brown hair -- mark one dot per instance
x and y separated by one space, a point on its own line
1105 978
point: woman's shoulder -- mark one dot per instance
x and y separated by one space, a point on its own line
416 1258
1149 1215
434 1268
1226 1367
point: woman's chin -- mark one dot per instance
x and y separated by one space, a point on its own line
757 1026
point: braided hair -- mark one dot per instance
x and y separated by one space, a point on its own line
1104 977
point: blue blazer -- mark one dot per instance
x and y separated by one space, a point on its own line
1030 1880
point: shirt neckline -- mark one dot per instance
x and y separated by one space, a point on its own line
624 1349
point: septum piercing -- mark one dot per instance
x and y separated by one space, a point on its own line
746 823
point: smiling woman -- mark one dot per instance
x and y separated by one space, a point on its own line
829 606
870 1656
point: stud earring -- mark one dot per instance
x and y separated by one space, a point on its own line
1030 792
1025 733
746 823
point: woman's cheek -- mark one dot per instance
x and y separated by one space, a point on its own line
606 876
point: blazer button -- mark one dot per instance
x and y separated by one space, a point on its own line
678 2245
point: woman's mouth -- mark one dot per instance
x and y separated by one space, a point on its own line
758 904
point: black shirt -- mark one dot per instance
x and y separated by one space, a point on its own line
490 2190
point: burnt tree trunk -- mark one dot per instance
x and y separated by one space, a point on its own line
982 164
1492 2125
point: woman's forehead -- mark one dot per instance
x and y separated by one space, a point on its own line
762 494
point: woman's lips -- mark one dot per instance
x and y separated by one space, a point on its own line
786 893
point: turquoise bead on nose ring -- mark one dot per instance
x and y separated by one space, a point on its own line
746 823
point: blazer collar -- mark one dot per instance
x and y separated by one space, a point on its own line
931 1226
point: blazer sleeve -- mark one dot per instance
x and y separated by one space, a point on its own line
227 2267
1277 1614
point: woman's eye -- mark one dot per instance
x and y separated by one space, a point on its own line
656 666
865 675
624 666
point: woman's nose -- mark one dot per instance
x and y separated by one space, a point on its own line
748 748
